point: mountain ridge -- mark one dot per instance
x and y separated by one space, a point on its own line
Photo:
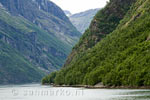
30 40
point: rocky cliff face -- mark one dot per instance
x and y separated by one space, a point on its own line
46 15
35 37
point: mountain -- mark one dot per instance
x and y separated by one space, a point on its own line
46 15
68 13
82 20
119 59
104 22
35 39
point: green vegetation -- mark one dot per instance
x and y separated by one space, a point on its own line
105 21
120 59
49 79
30 45
17 69
20 41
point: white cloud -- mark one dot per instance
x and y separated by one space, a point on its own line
76 6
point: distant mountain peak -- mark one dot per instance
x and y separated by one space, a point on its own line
82 20
68 13
86 12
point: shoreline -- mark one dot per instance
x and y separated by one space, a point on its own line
103 87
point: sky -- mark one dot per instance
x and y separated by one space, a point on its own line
76 6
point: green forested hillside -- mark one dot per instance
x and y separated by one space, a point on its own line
119 59
28 49
104 22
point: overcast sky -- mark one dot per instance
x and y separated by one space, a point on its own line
75 6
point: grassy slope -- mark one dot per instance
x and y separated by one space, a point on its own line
20 28
14 68
122 58
17 44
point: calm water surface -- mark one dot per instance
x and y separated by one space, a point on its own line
39 92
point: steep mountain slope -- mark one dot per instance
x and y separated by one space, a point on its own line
82 20
105 21
14 68
120 59
46 15
28 50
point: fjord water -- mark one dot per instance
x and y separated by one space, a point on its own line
39 92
